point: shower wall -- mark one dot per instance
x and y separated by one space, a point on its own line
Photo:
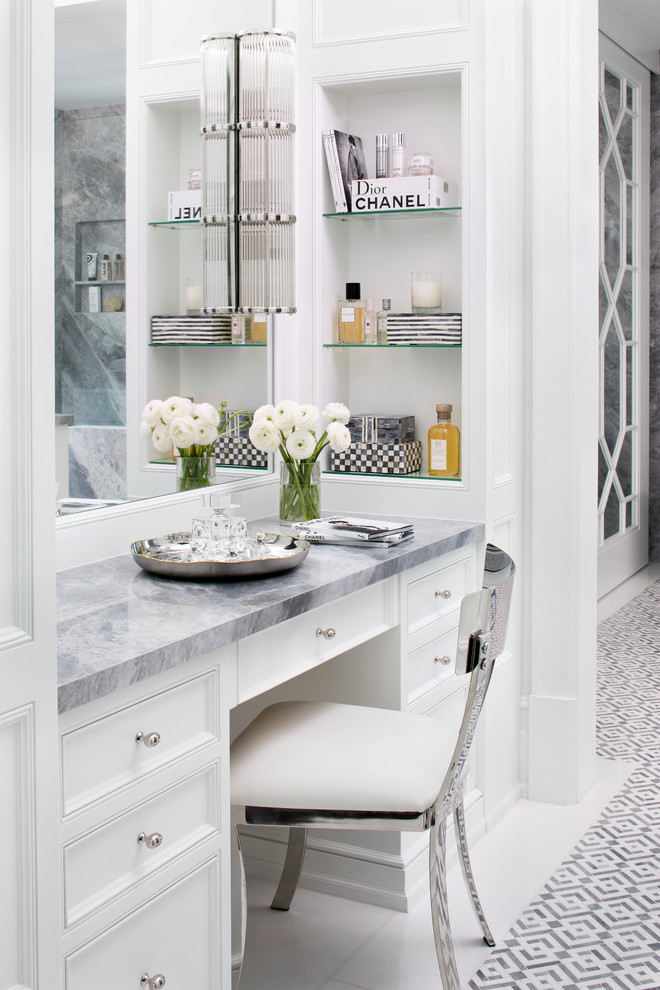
654 329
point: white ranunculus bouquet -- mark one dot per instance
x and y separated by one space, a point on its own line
191 427
292 428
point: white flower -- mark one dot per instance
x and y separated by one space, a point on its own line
152 411
263 412
146 429
337 412
264 435
301 444
182 431
161 438
205 433
174 408
339 436
305 417
207 413
283 414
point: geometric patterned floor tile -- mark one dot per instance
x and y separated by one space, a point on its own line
596 923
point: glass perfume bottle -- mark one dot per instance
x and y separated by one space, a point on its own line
370 323
352 311
444 447
381 322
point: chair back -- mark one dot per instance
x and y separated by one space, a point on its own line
482 631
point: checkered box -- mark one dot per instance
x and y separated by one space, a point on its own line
239 452
379 458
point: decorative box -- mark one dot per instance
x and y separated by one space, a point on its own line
424 328
239 452
191 329
381 429
379 458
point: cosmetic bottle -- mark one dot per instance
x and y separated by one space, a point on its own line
370 323
444 446
118 269
381 322
352 311
106 269
381 156
398 154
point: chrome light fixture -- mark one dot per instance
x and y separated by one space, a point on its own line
247 172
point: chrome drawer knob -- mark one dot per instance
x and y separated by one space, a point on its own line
148 738
443 594
329 633
151 841
153 982
443 660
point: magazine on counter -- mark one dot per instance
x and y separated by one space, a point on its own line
346 162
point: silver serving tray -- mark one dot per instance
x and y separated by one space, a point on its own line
170 556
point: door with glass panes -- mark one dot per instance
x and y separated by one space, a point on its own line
624 96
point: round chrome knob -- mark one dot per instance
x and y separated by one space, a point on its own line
153 982
329 633
443 594
148 738
443 660
151 841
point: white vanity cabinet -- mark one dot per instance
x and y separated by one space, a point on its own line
144 835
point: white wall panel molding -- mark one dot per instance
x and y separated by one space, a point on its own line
17 854
339 22
562 320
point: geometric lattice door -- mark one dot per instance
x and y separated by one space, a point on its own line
622 454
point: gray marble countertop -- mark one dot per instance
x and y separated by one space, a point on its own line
118 624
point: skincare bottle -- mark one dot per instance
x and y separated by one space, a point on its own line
381 156
106 269
118 269
381 322
352 311
92 258
370 323
444 446
398 154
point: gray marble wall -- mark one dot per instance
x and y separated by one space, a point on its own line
654 337
90 211
90 348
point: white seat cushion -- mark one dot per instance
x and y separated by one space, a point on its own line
325 756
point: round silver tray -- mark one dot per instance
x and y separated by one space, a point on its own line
171 556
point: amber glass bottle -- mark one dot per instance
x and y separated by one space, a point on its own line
444 446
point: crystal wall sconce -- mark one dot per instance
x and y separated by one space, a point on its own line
247 173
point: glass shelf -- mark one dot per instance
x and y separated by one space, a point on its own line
373 347
448 211
228 343
176 224
218 465
414 476
101 281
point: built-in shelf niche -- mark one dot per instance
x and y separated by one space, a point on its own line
100 237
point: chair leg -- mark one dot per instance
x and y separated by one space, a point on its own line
461 839
291 870
444 945
239 908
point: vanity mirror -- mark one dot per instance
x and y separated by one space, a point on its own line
125 321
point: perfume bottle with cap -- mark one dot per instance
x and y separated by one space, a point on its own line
352 311
381 322
381 156
398 154
370 323
444 445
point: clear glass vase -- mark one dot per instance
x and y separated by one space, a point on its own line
300 491
194 472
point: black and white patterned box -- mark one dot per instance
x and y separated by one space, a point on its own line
379 458
381 429
239 452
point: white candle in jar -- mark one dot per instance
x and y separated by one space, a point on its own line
193 298
426 290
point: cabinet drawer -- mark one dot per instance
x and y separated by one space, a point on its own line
432 663
175 934
106 754
294 646
437 594
104 863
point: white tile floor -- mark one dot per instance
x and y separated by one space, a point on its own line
327 943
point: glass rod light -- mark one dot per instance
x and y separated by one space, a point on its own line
247 172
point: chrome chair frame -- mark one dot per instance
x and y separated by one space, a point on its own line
482 630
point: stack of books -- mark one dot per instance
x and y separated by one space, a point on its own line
424 328
353 531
